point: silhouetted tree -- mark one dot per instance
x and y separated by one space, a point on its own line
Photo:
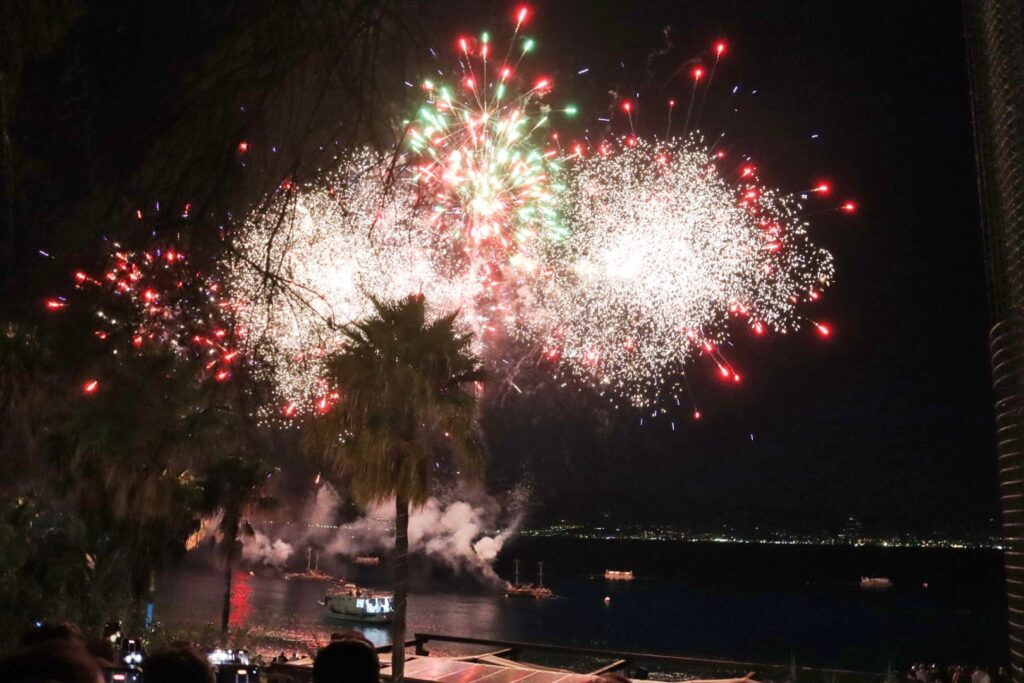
406 386
234 488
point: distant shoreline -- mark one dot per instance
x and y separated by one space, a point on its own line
679 537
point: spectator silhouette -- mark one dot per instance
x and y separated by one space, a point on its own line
178 664
57 660
349 658
103 651
47 632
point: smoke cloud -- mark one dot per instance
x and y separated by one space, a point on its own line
260 549
464 536
464 531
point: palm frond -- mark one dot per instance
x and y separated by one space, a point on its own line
406 384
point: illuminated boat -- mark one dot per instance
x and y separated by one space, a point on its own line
528 590
875 582
349 602
616 575
367 559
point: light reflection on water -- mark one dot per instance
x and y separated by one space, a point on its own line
266 604
759 604
241 599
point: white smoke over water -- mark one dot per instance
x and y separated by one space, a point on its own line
460 535
260 549
257 548
464 536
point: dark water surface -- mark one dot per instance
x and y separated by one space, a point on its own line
744 602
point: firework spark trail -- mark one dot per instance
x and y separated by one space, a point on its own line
482 158
663 252
149 299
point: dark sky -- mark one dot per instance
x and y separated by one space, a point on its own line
889 421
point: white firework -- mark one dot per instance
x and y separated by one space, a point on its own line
662 252
309 265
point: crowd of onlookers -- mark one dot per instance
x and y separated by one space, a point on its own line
933 673
57 653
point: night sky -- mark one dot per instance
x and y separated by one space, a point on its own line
889 421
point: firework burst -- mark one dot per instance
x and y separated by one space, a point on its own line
482 157
666 256
621 267
155 298
309 265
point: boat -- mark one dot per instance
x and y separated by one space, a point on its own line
875 582
312 572
528 590
310 575
367 559
349 602
617 575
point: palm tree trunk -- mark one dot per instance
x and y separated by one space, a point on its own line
401 568
225 615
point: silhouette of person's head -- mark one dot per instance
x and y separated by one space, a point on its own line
103 651
58 660
47 632
349 658
178 664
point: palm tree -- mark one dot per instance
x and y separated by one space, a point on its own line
130 448
26 404
127 454
406 399
235 488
